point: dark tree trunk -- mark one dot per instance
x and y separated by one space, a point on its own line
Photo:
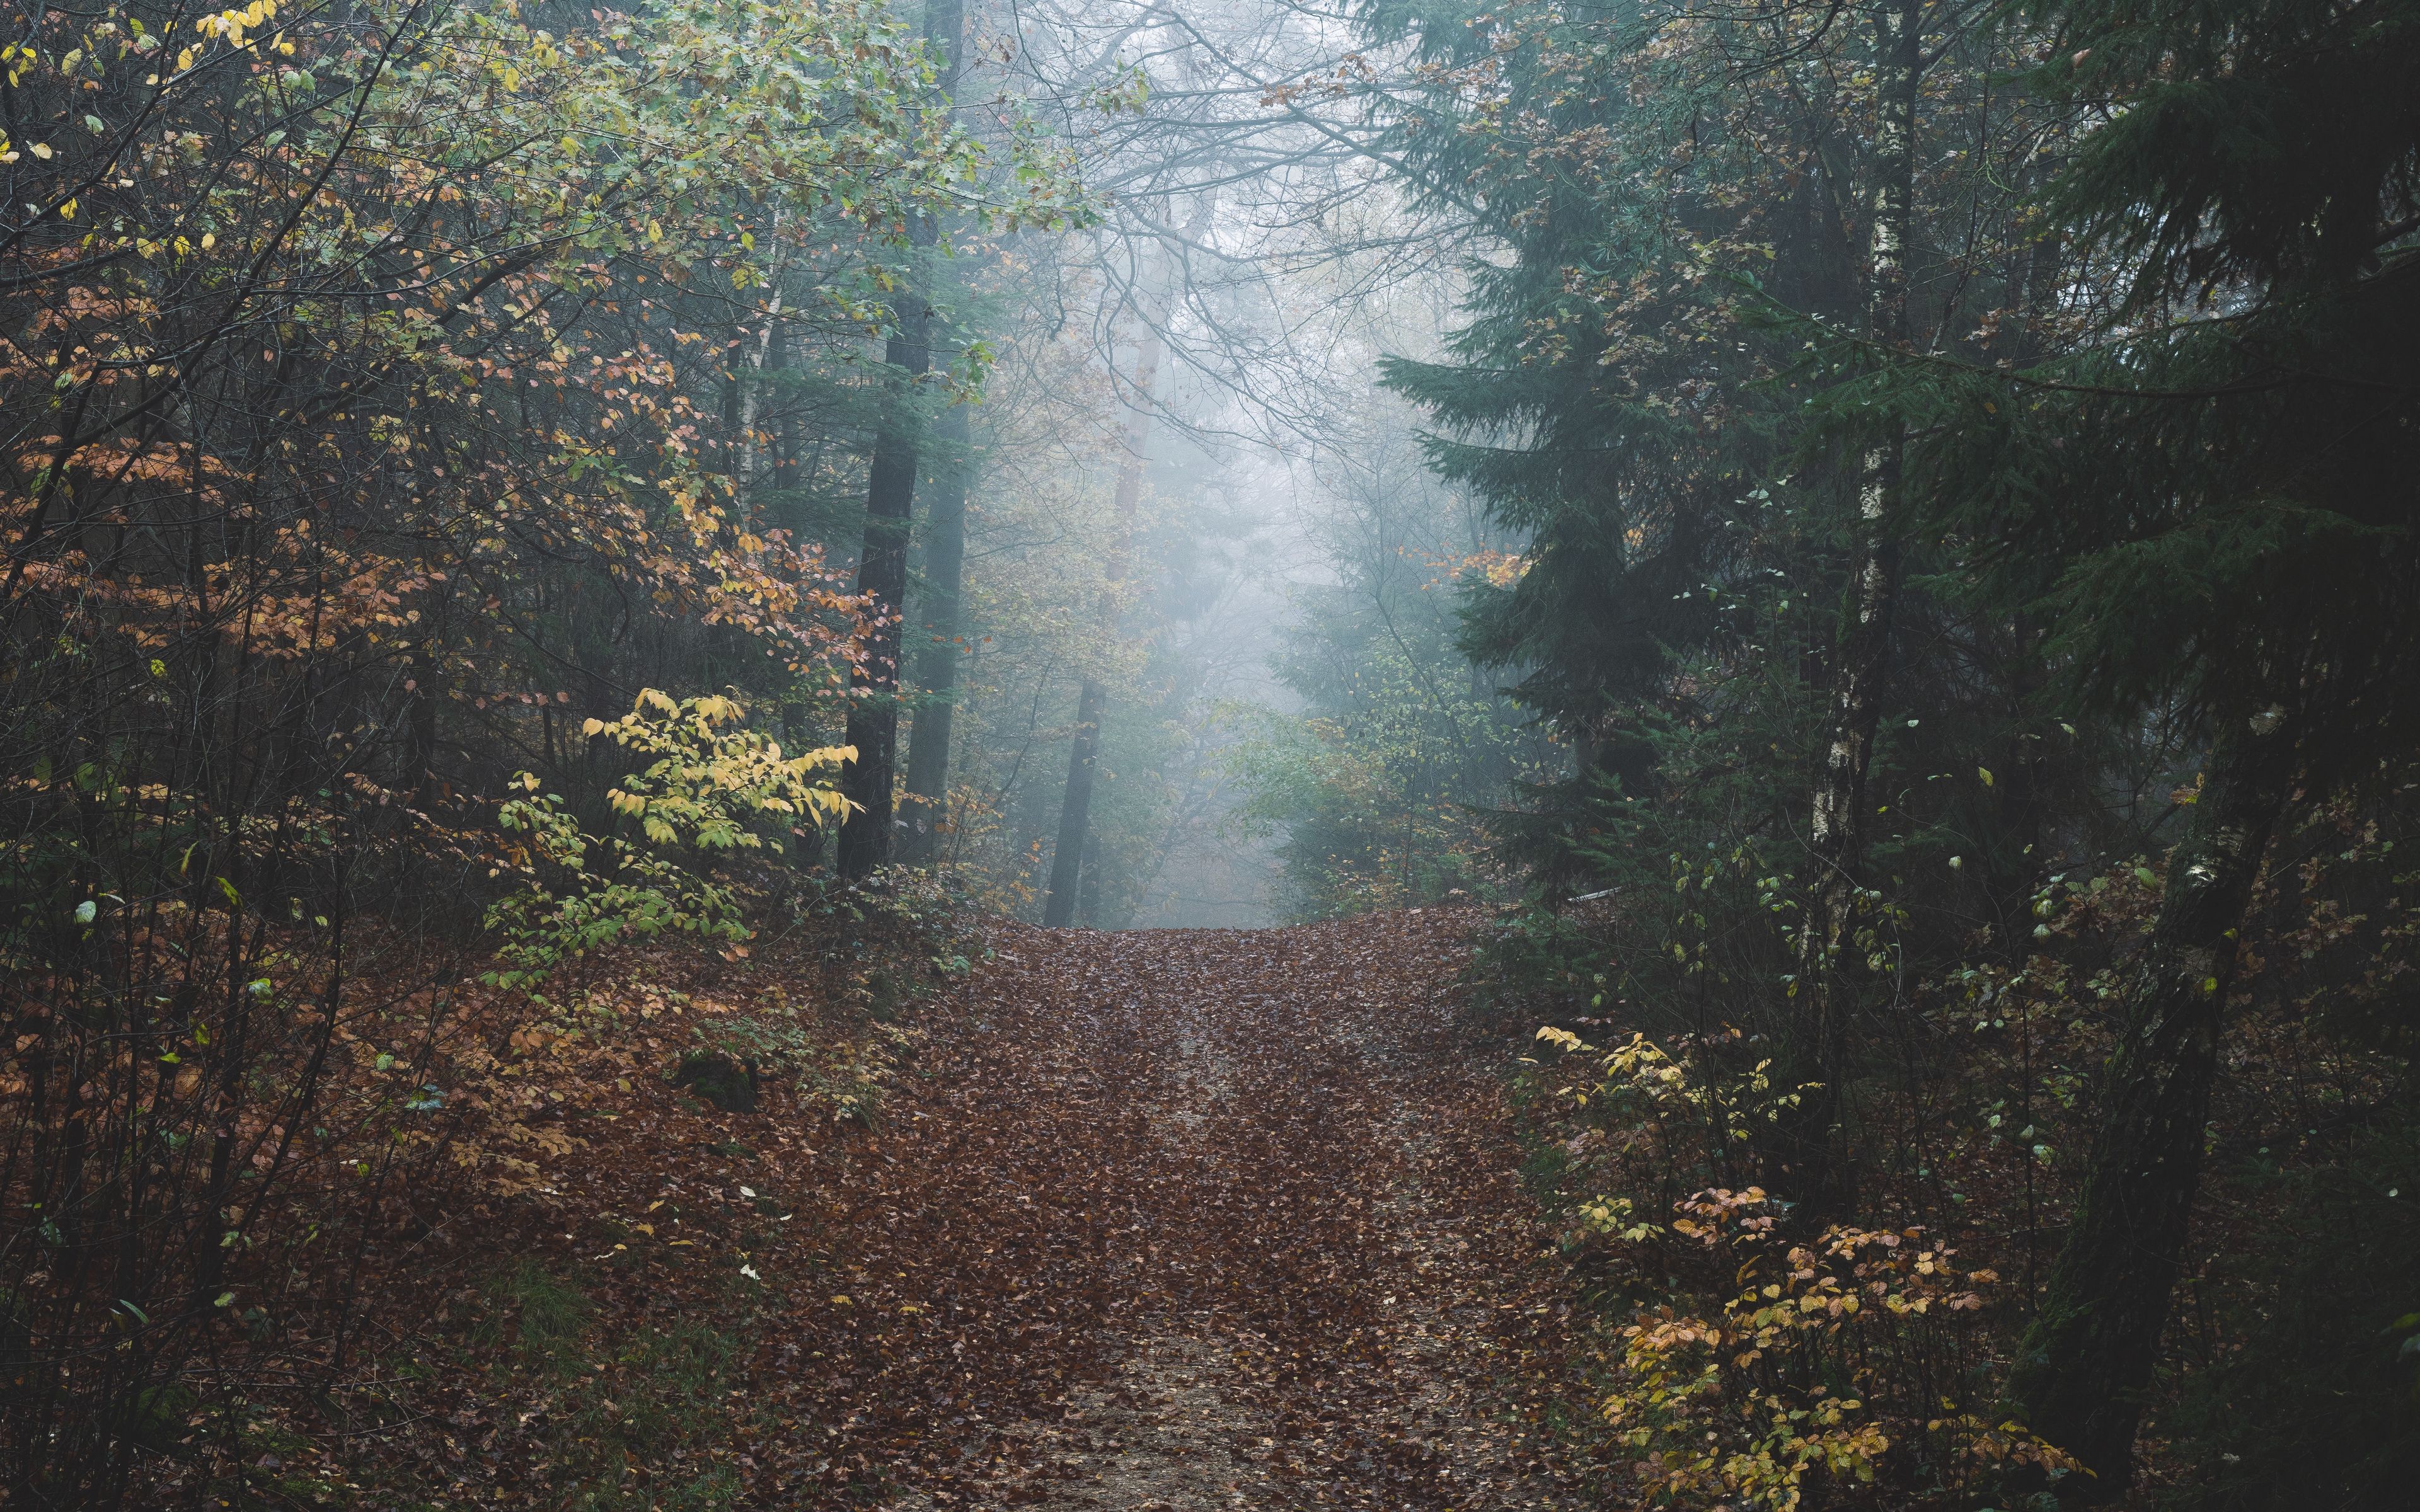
927 811
865 838
1076 812
883 580
1088 904
2083 1368
1838 822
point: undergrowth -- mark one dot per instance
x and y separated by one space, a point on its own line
1740 1350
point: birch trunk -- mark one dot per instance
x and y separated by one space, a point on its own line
1839 813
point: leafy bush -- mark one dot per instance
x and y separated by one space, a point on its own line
1751 1365
714 786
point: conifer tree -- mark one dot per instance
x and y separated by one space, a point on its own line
2215 506
1559 412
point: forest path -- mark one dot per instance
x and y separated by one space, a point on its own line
1247 1232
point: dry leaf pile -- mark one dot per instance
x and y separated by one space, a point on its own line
1146 1221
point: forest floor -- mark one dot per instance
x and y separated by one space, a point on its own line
1288 1261
1149 1222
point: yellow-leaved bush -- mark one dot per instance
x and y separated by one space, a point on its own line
714 785
1761 1363
713 780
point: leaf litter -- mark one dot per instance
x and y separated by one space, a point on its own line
1145 1222
1315 1278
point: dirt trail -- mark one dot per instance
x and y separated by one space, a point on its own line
1247 1232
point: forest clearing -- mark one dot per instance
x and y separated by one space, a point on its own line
1173 754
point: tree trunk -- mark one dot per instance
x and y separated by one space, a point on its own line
882 580
889 495
785 429
926 811
1088 904
2084 1365
1076 812
1838 825
746 395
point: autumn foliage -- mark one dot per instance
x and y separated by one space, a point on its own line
378 426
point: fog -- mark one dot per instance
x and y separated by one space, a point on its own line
1253 260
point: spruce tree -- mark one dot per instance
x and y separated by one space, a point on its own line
2213 509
